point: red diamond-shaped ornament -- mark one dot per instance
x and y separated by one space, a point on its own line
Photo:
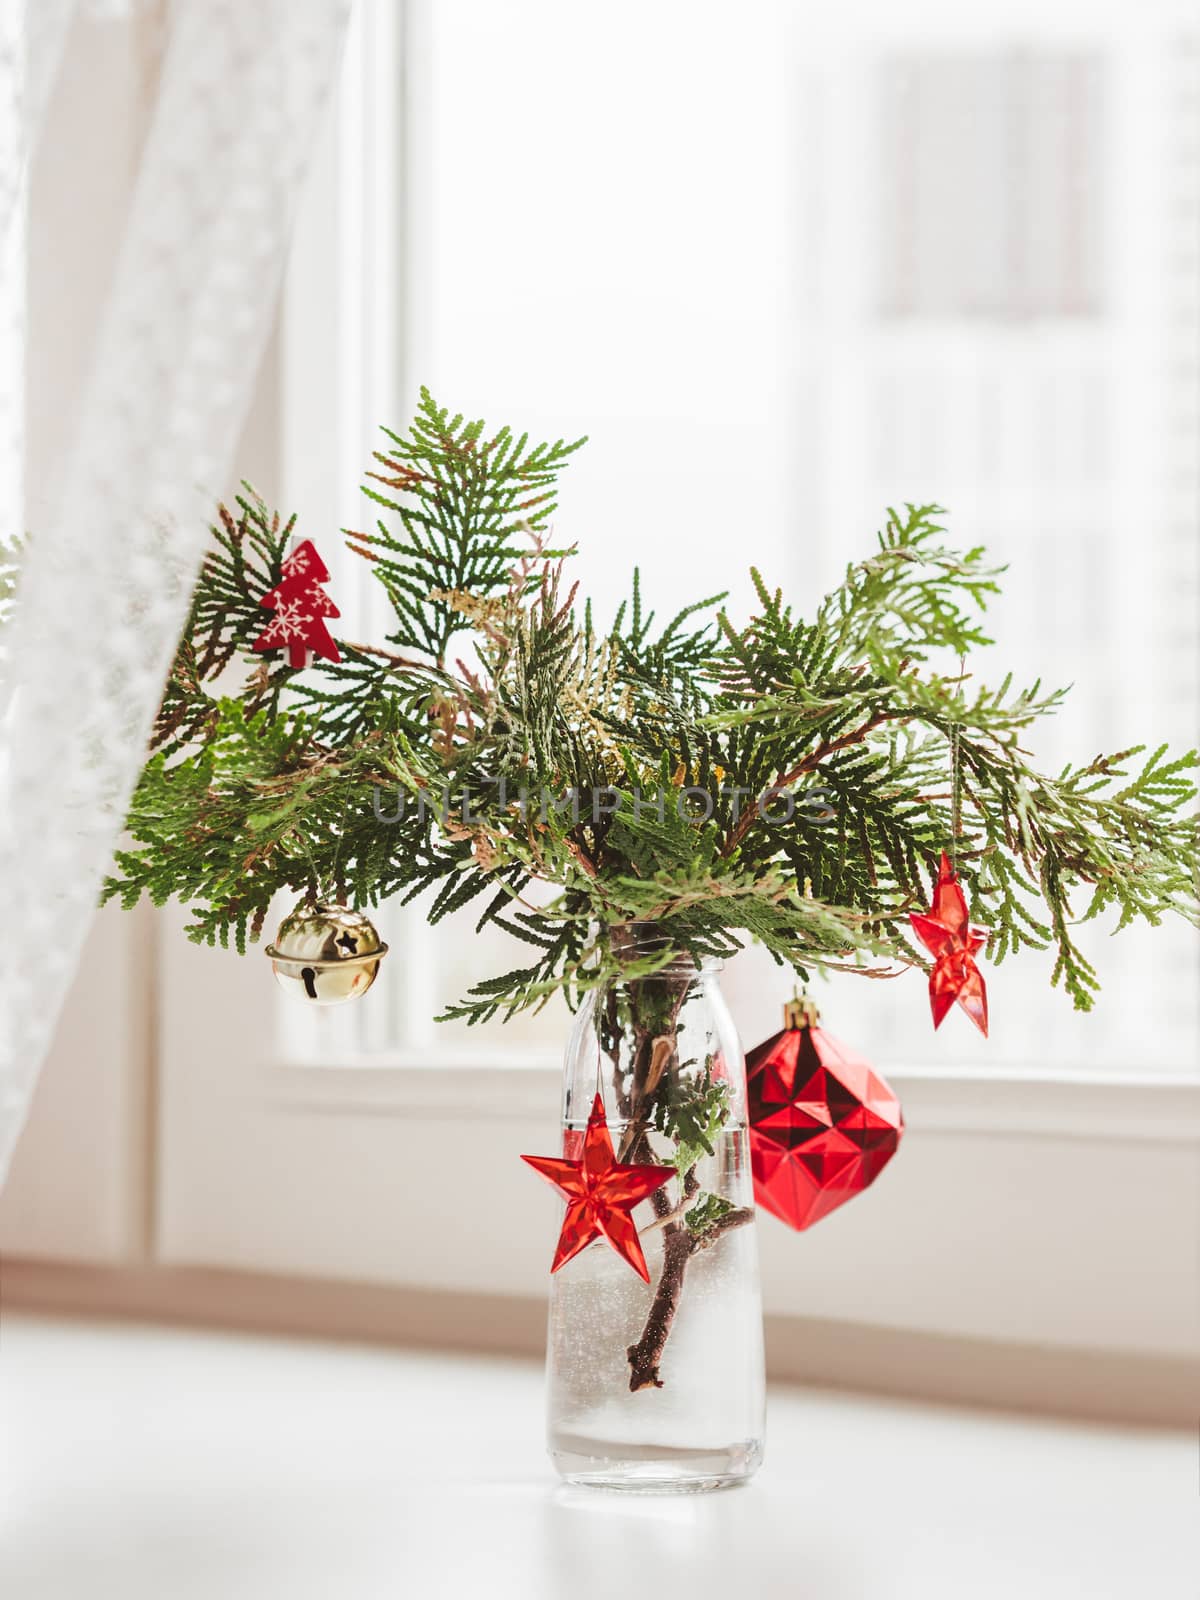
823 1122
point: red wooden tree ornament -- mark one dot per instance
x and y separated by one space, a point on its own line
300 605
823 1122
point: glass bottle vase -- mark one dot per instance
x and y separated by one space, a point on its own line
659 1387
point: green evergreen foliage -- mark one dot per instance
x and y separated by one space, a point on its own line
707 1212
691 1114
849 717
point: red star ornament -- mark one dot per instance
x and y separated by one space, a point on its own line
953 942
600 1193
300 605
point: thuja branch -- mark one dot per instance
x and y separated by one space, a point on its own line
810 763
680 1245
691 1112
492 679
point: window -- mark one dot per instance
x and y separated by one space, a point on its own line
785 276
670 228
992 183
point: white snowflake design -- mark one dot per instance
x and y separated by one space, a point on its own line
289 622
320 601
297 564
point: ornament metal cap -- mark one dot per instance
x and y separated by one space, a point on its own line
801 1012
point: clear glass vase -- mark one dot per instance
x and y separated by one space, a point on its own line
659 1387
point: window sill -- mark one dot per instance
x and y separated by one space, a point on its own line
1016 1102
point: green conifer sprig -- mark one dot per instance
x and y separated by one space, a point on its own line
465 501
560 733
244 561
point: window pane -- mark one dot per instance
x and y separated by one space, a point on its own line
787 275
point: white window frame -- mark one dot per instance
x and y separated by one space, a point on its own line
1021 1207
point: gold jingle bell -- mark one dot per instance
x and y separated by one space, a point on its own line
325 953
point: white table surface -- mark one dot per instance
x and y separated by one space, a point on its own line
139 1462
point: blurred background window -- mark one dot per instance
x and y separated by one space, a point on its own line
787 271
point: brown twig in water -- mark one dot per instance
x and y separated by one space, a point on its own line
679 1246
655 1052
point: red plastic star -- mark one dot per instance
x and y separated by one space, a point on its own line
600 1193
953 943
300 605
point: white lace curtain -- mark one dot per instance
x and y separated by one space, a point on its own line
240 86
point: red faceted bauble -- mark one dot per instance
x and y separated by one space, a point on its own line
823 1122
